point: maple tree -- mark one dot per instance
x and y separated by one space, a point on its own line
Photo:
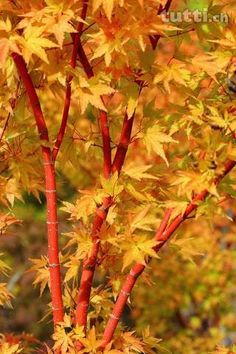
134 113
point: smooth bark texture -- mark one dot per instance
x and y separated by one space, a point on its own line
89 263
103 119
50 191
162 235
127 287
123 143
101 213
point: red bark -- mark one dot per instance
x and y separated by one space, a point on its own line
84 61
108 168
89 263
123 143
103 119
126 289
162 236
50 191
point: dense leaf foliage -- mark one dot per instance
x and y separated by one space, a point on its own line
130 118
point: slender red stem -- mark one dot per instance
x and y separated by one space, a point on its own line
84 61
50 186
162 236
103 119
101 213
229 165
123 143
127 287
69 78
125 140
33 97
89 263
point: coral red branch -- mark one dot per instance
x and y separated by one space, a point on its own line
125 140
103 119
108 168
89 264
50 184
33 97
229 165
127 287
162 236
123 143
69 78
84 61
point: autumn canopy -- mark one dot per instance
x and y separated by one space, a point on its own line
117 156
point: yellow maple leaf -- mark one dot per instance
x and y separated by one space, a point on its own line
62 340
73 264
139 172
83 207
143 220
187 247
83 242
61 27
33 42
5 295
132 342
40 266
5 25
90 91
111 186
137 249
107 5
141 197
212 63
90 343
175 72
6 46
154 140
